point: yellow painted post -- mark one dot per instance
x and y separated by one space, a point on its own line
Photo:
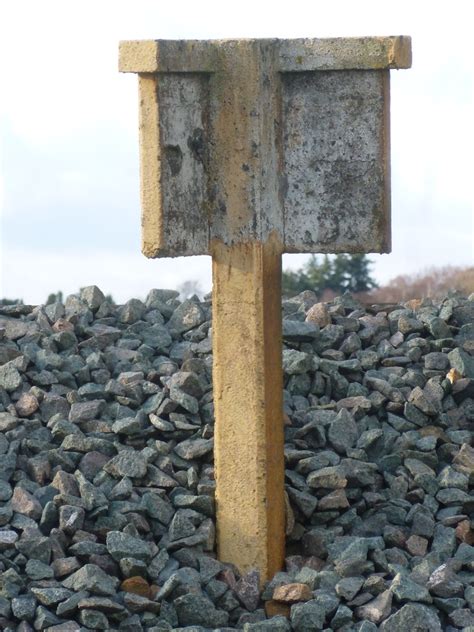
248 389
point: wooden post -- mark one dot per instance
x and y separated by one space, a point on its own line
252 148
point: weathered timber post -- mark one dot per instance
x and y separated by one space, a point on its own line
252 148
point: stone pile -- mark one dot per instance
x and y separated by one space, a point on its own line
106 469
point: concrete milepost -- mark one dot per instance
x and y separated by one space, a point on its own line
252 148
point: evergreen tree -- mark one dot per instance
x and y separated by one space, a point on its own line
340 274
54 298
359 279
317 274
339 277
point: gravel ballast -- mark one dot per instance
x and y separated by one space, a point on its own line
107 516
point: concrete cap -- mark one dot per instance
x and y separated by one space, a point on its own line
345 53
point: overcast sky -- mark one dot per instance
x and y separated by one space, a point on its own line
69 188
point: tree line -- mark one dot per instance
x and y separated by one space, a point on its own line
330 276
339 274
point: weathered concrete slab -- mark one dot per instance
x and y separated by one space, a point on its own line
297 128
174 179
336 161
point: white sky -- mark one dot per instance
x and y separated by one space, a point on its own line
69 151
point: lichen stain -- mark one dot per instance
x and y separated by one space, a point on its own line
197 145
174 158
